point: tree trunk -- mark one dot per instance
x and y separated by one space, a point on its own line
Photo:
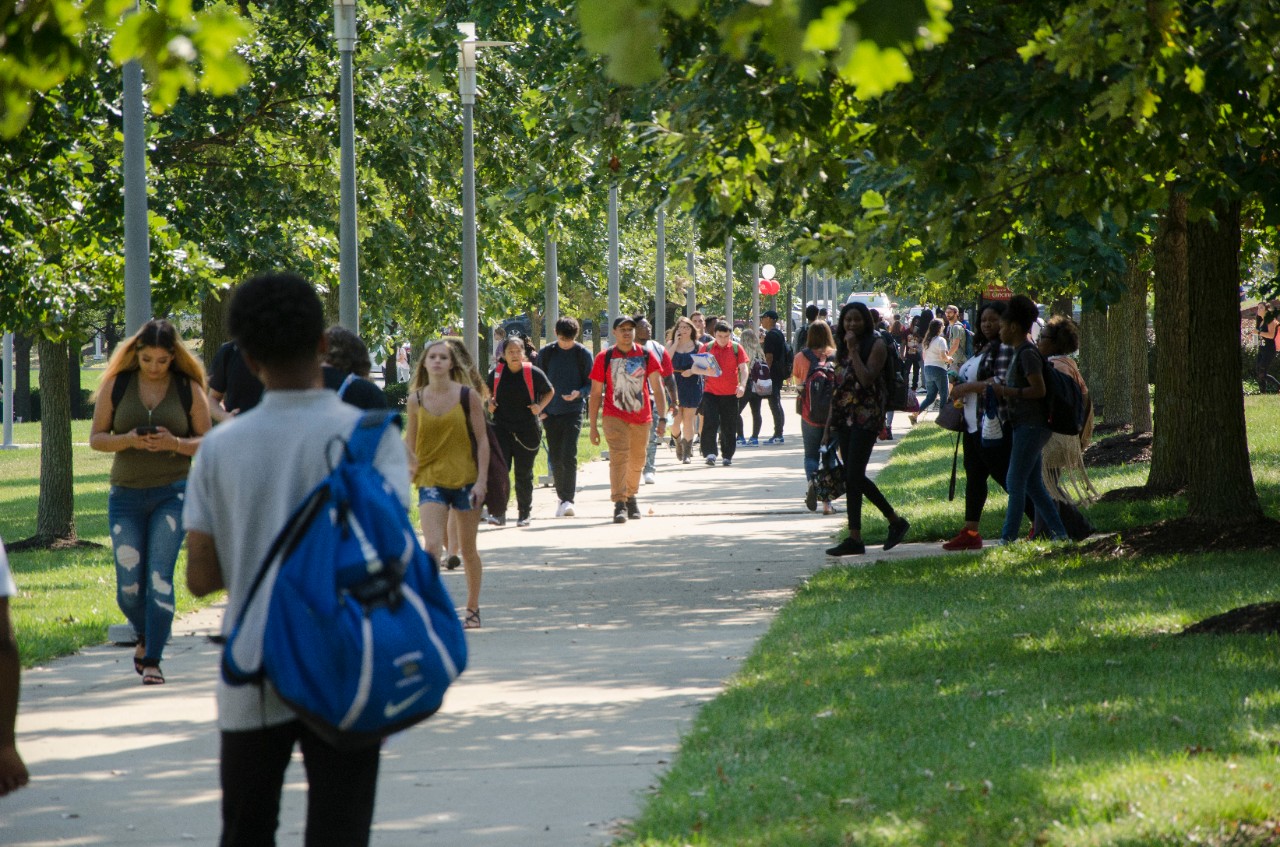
74 362
1172 442
112 331
332 307
535 327
1127 325
22 376
1062 305
213 323
1220 488
1114 374
55 514
1093 354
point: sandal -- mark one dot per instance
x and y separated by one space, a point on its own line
139 653
151 675
472 620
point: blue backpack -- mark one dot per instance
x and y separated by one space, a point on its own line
347 617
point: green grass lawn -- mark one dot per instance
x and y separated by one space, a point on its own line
1019 696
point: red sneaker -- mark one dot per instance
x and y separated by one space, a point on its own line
966 539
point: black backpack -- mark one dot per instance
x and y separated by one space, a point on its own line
1063 399
782 369
895 375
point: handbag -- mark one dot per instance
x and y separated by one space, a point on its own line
829 482
952 417
762 387
497 480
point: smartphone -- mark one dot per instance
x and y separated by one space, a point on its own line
147 430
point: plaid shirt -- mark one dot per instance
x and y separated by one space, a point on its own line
994 366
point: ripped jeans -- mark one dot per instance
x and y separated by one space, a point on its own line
146 535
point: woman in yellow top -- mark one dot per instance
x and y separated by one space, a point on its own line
151 411
445 469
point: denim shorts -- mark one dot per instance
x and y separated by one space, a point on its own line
458 499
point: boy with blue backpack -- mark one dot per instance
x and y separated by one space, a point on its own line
248 479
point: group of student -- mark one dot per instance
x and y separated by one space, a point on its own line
996 371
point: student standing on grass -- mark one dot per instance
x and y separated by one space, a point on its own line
444 468
247 482
568 365
626 382
721 395
1024 388
152 413
13 771
518 392
857 416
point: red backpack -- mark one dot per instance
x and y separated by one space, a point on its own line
819 388
527 370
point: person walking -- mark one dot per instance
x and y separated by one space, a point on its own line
987 439
626 383
776 357
688 384
935 368
346 370
645 339
911 358
750 397
232 388
819 350
957 337
721 395
1267 327
152 412
857 416
1024 388
13 771
802 334
518 392
247 481
458 529
567 364
446 468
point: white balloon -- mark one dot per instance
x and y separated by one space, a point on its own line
768 271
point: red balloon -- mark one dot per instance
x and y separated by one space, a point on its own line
774 287
764 286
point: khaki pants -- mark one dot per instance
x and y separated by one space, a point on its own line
627 445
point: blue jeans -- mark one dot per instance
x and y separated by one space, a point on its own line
812 444
1024 480
935 384
146 535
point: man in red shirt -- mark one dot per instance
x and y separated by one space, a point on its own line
720 396
626 379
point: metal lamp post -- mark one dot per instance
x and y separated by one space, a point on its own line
467 89
137 247
344 31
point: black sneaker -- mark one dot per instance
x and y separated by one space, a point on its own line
897 532
848 547
633 509
451 563
619 512
811 498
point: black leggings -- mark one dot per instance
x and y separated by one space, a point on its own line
982 463
1266 355
753 400
913 363
855 452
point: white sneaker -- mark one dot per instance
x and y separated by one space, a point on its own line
649 478
567 505
560 509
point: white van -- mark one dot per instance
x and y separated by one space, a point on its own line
877 300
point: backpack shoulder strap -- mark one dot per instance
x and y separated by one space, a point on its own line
465 400
497 376
184 396
365 438
527 370
346 383
119 387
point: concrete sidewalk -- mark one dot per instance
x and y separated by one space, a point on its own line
599 643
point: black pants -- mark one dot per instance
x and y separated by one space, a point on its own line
562 452
912 363
753 400
982 463
855 452
340 787
1266 355
521 448
775 408
720 415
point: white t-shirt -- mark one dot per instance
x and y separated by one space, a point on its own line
249 476
935 352
7 588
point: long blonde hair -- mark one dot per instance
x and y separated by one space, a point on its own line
156 332
462 370
751 343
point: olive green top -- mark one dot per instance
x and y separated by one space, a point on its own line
133 468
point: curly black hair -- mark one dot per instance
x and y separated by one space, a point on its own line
277 318
1022 310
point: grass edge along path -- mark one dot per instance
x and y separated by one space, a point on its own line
1024 695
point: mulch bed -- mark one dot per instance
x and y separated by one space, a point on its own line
1254 619
38 542
1184 535
1125 448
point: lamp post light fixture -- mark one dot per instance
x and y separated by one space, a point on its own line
344 32
467 48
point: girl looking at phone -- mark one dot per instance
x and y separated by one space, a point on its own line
151 411
444 466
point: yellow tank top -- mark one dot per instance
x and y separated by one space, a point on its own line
444 450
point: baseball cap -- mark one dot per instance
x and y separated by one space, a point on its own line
625 319
771 315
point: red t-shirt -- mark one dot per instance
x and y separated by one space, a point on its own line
664 358
626 383
729 357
